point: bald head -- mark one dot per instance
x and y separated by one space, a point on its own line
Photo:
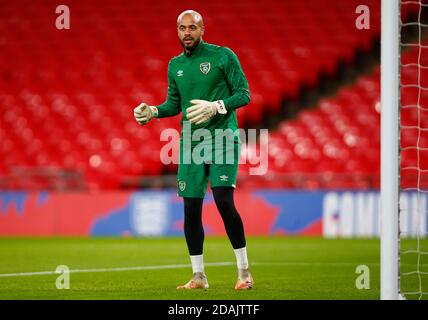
190 27
195 16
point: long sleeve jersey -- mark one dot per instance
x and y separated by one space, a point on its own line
210 73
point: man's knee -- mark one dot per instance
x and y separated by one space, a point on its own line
223 198
225 205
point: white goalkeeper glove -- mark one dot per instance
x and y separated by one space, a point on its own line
202 111
144 113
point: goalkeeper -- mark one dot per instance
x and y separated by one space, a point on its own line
207 84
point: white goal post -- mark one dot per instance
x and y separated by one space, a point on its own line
390 97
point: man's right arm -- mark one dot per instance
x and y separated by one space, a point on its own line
172 105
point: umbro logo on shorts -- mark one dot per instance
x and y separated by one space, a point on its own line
180 73
224 178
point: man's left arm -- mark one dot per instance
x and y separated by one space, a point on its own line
236 81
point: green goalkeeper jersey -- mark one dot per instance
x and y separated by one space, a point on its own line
209 73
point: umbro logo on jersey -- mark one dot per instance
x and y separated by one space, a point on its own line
224 178
179 73
205 67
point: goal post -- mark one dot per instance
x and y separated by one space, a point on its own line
390 91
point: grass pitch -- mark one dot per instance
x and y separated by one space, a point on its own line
151 268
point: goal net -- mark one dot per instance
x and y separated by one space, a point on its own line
404 149
413 150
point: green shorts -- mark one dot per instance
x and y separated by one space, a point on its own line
192 178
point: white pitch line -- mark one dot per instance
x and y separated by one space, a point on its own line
178 266
138 268
173 266
159 267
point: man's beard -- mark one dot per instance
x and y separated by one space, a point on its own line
193 46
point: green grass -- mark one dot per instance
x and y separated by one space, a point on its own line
283 268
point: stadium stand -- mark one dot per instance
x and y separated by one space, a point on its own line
340 137
67 95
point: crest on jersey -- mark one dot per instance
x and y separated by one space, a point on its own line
182 185
205 67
